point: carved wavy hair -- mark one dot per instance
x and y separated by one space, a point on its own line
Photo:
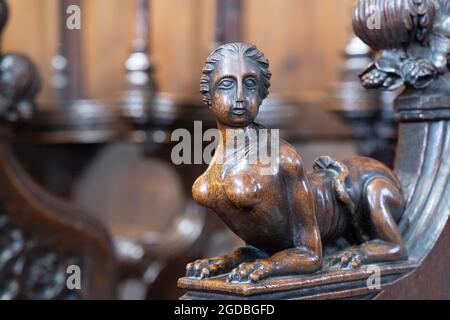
245 50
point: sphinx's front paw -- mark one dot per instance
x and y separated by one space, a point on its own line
207 268
251 271
348 259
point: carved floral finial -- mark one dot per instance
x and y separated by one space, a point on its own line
413 37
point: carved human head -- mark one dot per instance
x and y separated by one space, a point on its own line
235 81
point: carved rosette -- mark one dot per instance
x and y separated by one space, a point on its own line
30 271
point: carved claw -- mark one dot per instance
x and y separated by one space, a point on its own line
251 272
348 259
377 79
418 73
374 79
207 268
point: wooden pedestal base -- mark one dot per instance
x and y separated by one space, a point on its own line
347 284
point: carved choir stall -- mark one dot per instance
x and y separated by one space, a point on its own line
322 234
41 236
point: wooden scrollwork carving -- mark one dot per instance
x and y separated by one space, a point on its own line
423 152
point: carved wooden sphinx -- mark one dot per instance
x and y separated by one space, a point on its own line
285 218
285 215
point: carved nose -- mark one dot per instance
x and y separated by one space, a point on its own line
240 96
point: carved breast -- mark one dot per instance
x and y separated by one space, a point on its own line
241 190
253 205
202 191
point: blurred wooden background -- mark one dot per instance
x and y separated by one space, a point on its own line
302 38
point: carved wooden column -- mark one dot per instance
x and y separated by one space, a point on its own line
228 21
67 79
140 83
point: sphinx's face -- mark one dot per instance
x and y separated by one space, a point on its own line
235 91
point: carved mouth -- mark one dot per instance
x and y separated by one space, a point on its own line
238 112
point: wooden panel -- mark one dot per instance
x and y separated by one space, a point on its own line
302 38
107 33
182 33
179 38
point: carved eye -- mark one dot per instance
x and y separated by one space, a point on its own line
226 84
250 83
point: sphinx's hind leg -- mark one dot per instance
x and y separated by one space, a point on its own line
383 207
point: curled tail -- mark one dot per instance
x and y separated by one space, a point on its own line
340 173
